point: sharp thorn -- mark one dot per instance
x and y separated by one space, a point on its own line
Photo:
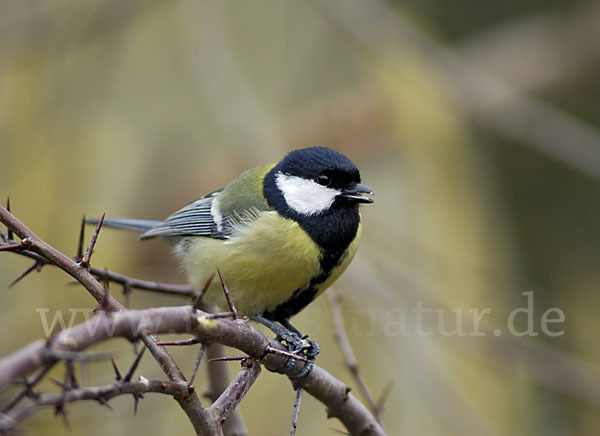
60 410
136 400
134 366
57 383
227 295
11 247
85 261
228 358
79 254
198 360
21 276
117 372
70 376
126 293
200 296
385 394
103 402
10 233
28 391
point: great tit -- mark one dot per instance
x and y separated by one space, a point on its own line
280 234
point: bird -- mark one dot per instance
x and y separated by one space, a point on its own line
280 235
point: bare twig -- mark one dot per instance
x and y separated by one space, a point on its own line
103 274
146 285
237 389
218 380
387 390
190 403
350 359
296 411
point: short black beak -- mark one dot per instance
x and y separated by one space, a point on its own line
354 193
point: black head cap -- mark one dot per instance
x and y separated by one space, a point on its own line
310 163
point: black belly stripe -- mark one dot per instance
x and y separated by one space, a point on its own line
303 297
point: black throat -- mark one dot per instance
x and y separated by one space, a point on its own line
332 230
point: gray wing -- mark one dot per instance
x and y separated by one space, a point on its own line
195 219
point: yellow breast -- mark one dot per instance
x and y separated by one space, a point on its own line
263 264
259 270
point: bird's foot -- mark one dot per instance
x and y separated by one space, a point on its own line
310 350
296 344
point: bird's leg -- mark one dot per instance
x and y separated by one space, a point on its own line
295 343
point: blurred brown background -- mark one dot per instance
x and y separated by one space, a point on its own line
476 122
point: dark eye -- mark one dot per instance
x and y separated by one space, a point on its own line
323 179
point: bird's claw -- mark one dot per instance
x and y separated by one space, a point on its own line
295 344
310 349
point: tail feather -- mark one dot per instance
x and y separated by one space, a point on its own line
127 223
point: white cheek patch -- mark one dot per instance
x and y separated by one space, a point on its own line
305 196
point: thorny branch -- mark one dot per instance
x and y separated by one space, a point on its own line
218 379
114 320
79 269
129 283
184 319
30 242
100 394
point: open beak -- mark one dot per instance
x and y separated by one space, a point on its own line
354 193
